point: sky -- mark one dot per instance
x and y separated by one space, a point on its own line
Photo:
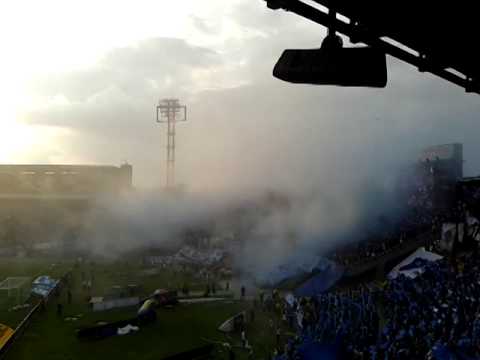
80 81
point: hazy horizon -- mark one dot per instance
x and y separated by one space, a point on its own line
87 94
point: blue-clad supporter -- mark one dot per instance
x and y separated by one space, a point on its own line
438 309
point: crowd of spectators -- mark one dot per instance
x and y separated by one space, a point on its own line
418 217
438 312
348 320
380 244
365 250
435 315
439 309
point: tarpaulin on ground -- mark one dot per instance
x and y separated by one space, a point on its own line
43 285
321 281
127 329
105 330
234 323
414 264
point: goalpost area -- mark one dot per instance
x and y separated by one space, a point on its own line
14 290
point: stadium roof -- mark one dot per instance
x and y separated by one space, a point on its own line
435 37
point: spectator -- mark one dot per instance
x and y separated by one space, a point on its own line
244 338
59 309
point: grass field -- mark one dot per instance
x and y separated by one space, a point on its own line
30 268
179 329
50 337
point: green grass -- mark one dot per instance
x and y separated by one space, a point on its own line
121 273
179 329
50 337
30 268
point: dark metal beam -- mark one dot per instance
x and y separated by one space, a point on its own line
359 33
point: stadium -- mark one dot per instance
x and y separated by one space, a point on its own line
279 203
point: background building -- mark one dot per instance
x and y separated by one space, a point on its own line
51 203
63 179
443 167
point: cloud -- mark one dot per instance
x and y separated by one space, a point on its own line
243 118
153 65
205 26
282 132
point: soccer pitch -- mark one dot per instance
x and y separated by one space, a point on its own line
178 329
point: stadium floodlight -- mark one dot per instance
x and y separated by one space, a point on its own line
333 64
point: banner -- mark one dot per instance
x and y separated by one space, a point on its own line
440 152
448 236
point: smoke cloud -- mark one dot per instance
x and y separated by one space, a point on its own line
334 153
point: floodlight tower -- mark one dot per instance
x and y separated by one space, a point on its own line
170 111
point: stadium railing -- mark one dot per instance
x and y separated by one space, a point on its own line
395 252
